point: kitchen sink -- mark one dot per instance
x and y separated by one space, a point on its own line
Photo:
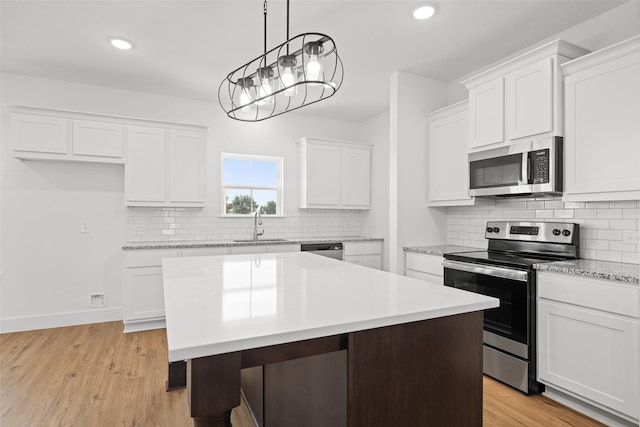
259 240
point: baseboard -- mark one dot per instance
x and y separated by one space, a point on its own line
145 325
587 409
29 323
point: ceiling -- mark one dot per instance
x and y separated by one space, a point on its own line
185 48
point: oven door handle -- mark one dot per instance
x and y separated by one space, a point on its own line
505 273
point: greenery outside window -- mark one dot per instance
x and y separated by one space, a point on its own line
251 183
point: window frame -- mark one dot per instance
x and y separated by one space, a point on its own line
279 189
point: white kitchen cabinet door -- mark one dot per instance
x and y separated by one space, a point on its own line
143 294
189 252
43 134
356 177
186 166
253 249
529 100
283 248
602 124
589 353
422 266
333 174
368 254
146 168
94 138
372 261
448 160
486 113
323 175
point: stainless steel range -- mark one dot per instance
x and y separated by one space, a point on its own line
505 271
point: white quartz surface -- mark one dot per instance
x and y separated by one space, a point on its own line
226 303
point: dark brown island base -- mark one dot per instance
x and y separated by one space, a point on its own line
425 373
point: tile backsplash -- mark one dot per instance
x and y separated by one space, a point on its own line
606 228
189 224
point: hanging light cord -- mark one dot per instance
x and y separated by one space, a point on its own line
265 33
287 26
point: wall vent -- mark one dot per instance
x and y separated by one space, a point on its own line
97 300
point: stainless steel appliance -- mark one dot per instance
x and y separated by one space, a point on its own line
505 271
331 250
521 169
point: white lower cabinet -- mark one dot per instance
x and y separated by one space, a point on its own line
588 341
143 287
368 254
425 267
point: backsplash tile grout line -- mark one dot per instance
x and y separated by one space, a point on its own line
604 226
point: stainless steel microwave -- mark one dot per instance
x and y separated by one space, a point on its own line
528 168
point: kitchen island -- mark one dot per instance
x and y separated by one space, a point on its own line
414 350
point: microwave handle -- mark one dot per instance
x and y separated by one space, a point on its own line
525 174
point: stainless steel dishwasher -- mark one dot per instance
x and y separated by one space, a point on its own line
331 250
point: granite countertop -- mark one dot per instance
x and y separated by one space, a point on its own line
622 272
305 297
230 243
440 249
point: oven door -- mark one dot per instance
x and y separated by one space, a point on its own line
511 319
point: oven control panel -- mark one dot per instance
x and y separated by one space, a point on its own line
552 232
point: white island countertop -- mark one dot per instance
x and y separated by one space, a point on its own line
221 304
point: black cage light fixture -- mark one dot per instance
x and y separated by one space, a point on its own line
301 71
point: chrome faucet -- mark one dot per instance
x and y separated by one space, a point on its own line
257 220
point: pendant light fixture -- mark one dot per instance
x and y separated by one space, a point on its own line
301 71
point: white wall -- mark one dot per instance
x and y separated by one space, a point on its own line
48 267
376 220
411 221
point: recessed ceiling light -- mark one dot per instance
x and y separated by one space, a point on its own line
423 12
121 43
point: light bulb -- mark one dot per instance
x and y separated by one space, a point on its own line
244 98
314 68
288 75
288 80
264 85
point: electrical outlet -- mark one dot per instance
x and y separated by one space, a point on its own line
631 236
172 226
205 228
139 227
84 227
97 300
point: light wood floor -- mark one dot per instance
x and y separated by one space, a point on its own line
94 375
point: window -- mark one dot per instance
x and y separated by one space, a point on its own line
251 183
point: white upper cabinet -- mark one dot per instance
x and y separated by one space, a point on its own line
356 175
145 171
486 102
91 138
530 100
448 163
41 134
187 152
333 174
602 115
165 167
519 98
